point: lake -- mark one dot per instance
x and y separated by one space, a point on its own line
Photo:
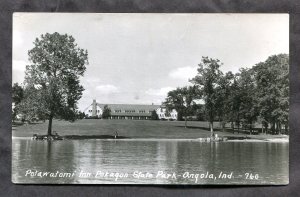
149 161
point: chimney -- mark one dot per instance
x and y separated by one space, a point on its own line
94 109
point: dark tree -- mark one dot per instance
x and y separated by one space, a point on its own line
154 115
272 77
52 80
223 101
80 115
106 112
182 100
17 93
207 80
234 103
248 101
17 97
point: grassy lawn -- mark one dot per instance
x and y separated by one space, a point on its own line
127 128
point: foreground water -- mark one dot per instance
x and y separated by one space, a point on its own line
149 162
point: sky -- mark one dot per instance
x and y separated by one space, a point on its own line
138 58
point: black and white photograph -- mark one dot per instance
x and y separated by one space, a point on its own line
150 98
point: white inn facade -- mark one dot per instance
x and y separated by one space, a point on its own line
130 111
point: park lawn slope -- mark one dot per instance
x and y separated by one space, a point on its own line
126 128
99 128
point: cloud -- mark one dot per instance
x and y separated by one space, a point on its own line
17 39
18 70
92 80
107 89
184 73
19 65
159 92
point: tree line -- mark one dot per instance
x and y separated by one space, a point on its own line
253 95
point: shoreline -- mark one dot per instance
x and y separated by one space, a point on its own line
277 139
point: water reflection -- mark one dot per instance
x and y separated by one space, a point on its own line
269 160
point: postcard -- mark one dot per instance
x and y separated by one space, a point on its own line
175 99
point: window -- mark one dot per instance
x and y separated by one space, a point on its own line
129 111
142 111
118 111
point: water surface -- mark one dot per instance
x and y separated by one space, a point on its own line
265 162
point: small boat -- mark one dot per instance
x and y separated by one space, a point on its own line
46 137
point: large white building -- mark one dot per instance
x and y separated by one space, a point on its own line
130 111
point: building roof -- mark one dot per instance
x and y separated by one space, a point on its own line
130 106
131 114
